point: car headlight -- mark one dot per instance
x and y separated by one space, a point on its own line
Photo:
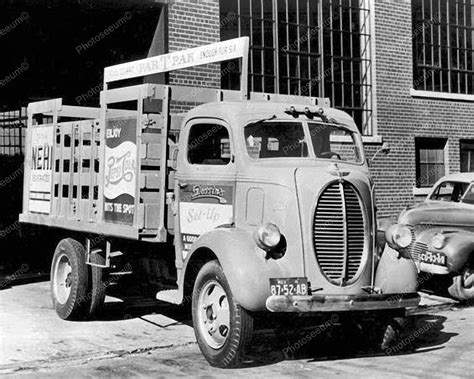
401 236
268 236
438 241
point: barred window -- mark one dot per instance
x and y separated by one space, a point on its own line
442 45
318 48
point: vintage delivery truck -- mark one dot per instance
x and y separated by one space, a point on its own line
249 203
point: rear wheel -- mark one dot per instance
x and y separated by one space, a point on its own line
463 285
69 280
223 328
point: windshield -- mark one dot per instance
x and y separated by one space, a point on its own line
334 142
452 191
276 140
279 139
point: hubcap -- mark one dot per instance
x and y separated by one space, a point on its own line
213 314
62 279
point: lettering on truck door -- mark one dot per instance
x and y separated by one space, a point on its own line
207 182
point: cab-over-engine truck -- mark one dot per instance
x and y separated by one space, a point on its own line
261 202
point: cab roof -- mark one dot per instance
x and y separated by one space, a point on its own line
239 113
466 177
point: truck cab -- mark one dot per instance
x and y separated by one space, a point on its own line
264 203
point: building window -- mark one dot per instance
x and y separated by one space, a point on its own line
318 48
442 45
13 132
430 162
467 155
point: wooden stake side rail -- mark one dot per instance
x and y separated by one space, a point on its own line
78 158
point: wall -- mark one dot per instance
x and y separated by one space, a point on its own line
193 23
401 117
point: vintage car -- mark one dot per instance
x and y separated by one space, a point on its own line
438 234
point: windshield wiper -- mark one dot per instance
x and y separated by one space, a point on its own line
263 120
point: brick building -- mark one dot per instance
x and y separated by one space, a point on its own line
402 68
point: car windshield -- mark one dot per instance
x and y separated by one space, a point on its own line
451 191
469 195
280 139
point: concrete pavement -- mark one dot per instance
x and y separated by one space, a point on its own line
30 330
144 339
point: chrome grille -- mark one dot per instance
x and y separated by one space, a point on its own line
417 249
339 233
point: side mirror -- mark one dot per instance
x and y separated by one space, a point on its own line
385 149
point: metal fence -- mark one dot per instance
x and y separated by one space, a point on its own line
12 132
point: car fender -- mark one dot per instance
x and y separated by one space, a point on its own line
383 224
458 248
245 265
395 274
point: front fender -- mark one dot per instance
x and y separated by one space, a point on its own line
244 264
395 274
458 248
383 224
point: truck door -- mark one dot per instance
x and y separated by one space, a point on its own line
205 180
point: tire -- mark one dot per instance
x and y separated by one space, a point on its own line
462 288
70 280
98 284
223 331
379 333
391 332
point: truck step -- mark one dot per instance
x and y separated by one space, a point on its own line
169 296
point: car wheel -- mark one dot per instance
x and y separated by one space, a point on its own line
69 280
222 327
463 285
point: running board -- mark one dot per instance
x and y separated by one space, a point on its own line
170 296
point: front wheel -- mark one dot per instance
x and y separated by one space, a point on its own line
379 332
222 327
392 329
463 285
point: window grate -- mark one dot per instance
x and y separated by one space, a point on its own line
442 45
12 132
319 48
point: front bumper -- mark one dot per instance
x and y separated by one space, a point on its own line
339 303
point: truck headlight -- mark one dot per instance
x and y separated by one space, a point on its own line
401 235
438 241
267 236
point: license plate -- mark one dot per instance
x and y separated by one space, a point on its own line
289 286
434 258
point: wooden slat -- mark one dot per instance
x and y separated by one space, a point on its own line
114 230
150 197
153 180
153 151
150 162
151 138
152 214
